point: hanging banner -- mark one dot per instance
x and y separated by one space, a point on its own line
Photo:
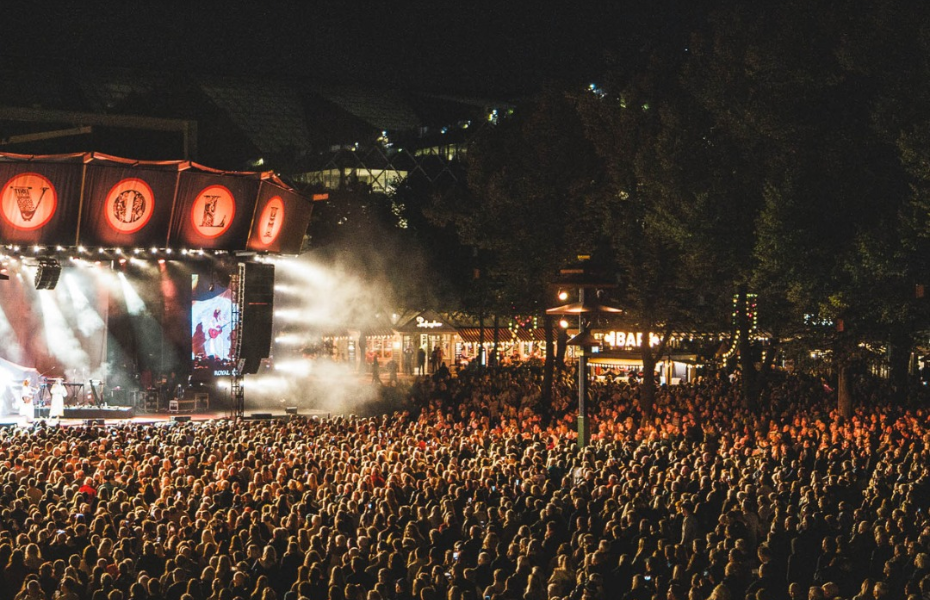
39 200
127 205
281 220
213 211
105 201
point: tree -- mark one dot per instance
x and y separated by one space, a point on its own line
637 124
804 90
526 210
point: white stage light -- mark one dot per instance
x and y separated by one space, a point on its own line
88 320
59 337
299 367
134 303
289 339
11 346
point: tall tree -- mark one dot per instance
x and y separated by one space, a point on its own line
636 124
531 180
834 193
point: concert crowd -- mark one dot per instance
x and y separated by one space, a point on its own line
475 490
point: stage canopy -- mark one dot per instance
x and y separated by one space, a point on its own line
95 200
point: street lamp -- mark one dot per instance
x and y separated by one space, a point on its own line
585 342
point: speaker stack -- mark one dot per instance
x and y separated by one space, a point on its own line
47 274
255 314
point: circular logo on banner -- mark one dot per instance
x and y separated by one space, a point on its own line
271 221
28 201
213 211
129 206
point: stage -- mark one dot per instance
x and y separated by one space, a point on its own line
158 418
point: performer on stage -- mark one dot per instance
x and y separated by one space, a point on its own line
218 346
26 407
58 393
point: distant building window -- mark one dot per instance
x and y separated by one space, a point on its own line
382 181
447 152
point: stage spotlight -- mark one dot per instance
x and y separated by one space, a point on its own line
48 273
563 324
563 295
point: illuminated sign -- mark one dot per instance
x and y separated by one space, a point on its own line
271 221
129 205
421 322
28 201
621 339
213 211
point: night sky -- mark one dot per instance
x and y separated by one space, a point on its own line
464 47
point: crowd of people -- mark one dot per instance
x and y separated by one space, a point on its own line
477 490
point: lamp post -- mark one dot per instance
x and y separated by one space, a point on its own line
584 341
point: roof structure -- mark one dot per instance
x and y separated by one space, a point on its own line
269 113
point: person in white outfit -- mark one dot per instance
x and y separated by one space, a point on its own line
58 392
26 407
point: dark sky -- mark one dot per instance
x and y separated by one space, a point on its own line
466 47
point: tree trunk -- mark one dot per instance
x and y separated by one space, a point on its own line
495 358
562 346
899 358
748 375
768 361
844 401
481 359
647 390
550 363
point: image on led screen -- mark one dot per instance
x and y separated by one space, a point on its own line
211 325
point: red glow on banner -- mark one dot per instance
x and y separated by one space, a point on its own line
129 206
28 201
271 221
213 211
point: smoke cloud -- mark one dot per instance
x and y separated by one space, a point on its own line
317 300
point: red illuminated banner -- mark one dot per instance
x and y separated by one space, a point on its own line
214 210
127 205
99 200
21 201
39 199
281 220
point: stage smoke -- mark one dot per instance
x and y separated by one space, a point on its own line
60 339
313 301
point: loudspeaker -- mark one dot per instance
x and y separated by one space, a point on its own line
260 416
48 273
256 315
180 418
291 410
92 422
